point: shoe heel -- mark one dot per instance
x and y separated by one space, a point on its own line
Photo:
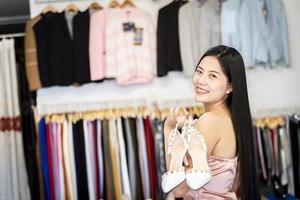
173 178
200 174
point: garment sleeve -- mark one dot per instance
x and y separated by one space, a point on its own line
112 43
246 34
185 41
96 46
224 26
284 35
153 44
32 70
216 20
161 65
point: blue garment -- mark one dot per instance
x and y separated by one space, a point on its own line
44 157
230 23
271 196
264 38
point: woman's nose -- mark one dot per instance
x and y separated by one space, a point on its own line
202 80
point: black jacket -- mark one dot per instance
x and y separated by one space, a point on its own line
168 51
81 30
61 58
41 30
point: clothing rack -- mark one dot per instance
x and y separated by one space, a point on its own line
56 1
271 122
269 112
12 35
120 112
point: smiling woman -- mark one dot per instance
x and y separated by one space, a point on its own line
218 148
210 82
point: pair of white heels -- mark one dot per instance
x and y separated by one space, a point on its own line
179 144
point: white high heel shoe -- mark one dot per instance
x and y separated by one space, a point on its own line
200 174
177 147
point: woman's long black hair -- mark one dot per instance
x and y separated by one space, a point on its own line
237 101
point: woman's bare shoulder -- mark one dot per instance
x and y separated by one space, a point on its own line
213 125
215 129
206 124
208 120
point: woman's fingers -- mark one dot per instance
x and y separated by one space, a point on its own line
186 113
180 120
171 111
176 111
177 115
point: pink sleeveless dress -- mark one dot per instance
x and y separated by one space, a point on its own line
219 187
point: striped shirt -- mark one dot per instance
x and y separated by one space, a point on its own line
128 45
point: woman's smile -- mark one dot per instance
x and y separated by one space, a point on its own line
201 90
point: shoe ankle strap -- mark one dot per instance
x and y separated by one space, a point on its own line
172 136
188 129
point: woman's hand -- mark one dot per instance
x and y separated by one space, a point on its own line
175 115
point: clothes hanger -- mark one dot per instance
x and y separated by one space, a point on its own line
127 3
71 8
114 4
49 8
297 116
96 6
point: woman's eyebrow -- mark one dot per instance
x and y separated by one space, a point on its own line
213 71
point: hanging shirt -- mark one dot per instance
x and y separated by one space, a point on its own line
60 162
41 32
80 160
50 160
123 162
132 157
168 52
96 44
31 64
81 27
44 157
157 127
73 195
55 159
66 161
61 53
261 154
151 156
264 36
143 158
230 23
114 149
199 30
100 158
130 46
109 182
90 158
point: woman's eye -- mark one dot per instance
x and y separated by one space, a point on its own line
213 76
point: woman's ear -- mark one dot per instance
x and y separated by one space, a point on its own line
229 89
